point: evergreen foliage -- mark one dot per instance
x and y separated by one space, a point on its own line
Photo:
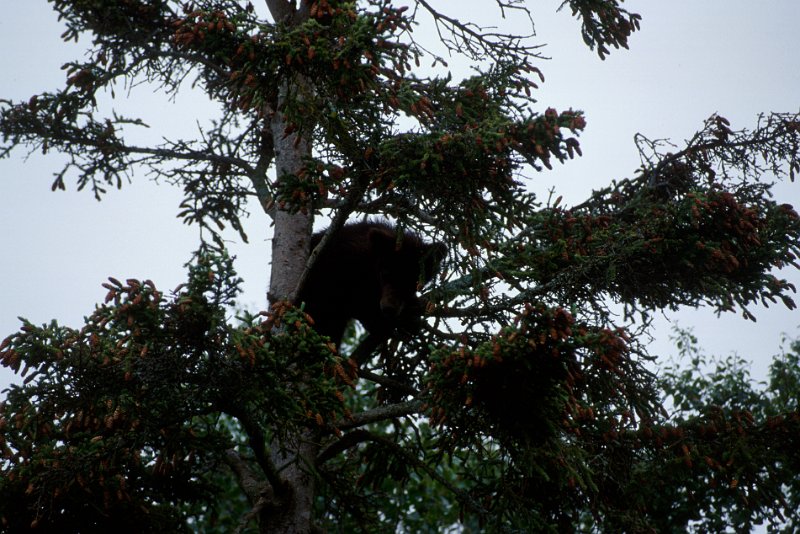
524 404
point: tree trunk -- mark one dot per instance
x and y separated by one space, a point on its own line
290 248
292 511
291 237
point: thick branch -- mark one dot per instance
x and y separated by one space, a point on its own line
388 382
255 490
345 442
252 486
380 414
258 444
258 176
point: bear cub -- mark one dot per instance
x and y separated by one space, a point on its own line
367 273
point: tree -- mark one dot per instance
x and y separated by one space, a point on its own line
525 403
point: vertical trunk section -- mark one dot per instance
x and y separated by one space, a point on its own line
290 241
292 511
290 247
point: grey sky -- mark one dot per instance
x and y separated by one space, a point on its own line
689 60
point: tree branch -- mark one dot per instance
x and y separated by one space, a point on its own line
250 484
255 490
475 41
105 141
258 176
345 442
379 414
388 382
258 444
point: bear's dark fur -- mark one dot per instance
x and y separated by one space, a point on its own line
367 273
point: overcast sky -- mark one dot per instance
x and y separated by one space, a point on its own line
691 59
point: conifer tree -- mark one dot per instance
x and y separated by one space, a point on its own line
524 403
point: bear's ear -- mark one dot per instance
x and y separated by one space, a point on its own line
432 257
382 240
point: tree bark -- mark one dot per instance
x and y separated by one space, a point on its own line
294 513
290 248
291 512
291 237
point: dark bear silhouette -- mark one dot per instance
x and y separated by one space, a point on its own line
369 272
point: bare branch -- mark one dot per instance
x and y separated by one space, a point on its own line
380 414
476 41
388 382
